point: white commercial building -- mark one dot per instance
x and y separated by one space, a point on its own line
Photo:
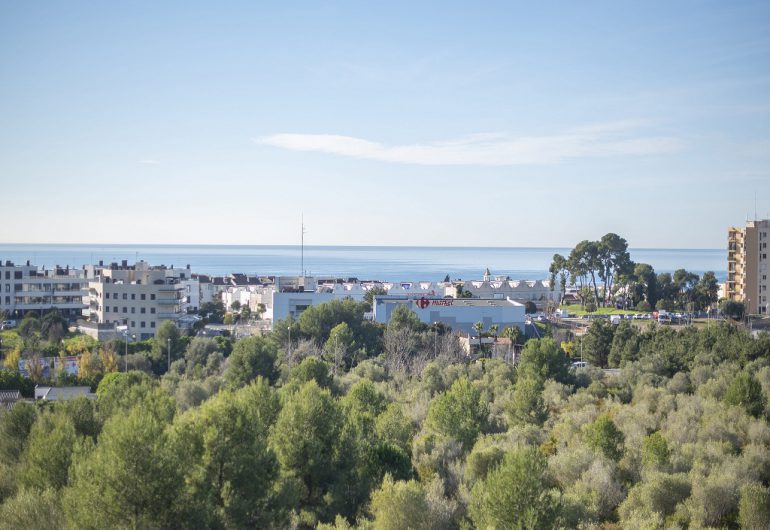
537 291
460 314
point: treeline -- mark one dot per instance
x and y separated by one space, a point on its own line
306 433
603 273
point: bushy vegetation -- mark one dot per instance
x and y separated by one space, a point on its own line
350 425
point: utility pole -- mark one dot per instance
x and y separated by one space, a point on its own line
302 249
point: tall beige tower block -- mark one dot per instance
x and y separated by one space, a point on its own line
747 265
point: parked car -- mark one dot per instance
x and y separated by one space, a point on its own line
580 364
8 324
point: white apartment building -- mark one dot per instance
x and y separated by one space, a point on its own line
27 288
139 296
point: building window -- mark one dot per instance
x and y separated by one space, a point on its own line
142 310
141 324
152 310
7 275
125 296
152 297
133 310
143 296
125 309
115 309
133 296
17 275
8 300
107 309
133 324
152 324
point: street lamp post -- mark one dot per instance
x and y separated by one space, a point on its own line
168 353
289 328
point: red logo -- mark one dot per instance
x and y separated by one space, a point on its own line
422 303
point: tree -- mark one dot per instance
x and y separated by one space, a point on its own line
732 309
339 349
231 470
46 459
252 357
317 321
235 306
527 405
31 508
597 343
706 291
559 266
458 413
53 326
655 452
604 437
613 260
311 369
15 426
402 505
516 495
371 293
529 307
543 359
160 347
29 325
646 285
130 479
306 439
745 392
754 507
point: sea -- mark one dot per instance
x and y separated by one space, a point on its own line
386 263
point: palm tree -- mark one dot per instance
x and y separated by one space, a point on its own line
512 333
478 326
493 330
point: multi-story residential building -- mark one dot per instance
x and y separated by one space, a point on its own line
27 288
139 296
747 265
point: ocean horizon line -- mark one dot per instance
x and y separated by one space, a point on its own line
327 246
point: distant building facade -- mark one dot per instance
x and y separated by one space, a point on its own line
29 289
747 265
460 314
138 296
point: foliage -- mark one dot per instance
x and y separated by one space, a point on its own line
744 391
458 413
527 405
130 479
517 494
252 357
47 455
604 437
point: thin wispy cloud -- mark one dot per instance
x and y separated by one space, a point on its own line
597 140
150 161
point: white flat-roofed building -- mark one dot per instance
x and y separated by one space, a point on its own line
460 314
537 291
137 296
293 303
27 288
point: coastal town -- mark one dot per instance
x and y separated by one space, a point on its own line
130 302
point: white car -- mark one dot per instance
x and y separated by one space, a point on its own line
580 364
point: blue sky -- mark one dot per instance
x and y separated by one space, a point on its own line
401 123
